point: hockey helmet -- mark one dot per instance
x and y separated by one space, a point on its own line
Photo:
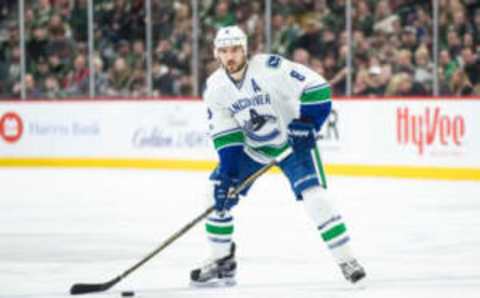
230 36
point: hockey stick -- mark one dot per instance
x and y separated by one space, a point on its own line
83 288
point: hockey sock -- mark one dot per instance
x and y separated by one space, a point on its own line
329 223
219 228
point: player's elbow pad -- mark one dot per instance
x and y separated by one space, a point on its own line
317 113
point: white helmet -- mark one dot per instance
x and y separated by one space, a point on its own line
230 36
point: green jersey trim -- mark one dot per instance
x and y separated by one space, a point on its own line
316 95
229 139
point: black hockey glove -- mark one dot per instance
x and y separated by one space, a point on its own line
301 135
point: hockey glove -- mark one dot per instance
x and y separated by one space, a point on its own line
301 135
222 185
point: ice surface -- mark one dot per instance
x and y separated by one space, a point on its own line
59 227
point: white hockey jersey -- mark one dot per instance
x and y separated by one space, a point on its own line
257 111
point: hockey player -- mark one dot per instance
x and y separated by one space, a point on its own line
256 110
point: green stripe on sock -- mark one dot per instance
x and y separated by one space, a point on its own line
334 232
228 139
318 161
219 230
315 96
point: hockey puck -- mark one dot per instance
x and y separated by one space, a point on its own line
128 293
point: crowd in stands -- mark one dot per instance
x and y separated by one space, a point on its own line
392 45
57 48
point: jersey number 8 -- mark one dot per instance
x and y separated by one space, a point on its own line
297 75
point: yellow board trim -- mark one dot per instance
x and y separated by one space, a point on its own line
443 173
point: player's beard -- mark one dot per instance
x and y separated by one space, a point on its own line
235 70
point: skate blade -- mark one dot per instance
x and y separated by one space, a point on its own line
360 285
216 283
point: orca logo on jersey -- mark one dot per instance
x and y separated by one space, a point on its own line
273 61
255 127
258 121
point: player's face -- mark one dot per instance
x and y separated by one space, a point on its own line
232 58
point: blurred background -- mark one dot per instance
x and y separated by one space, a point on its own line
54 49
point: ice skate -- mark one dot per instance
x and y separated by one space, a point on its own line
353 271
216 273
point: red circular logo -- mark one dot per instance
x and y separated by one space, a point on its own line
11 127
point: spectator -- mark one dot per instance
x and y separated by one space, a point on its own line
223 15
184 86
165 53
402 84
460 84
382 11
13 69
41 71
52 88
317 65
409 39
119 78
476 26
136 58
31 89
57 66
76 82
6 9
137 88
284 32
471 66
163 16
447 67
112 19
423 69
376 85
459 22
362 17
59 42
404 62
311 40
37 45
302 56
42 13
123 50
101 78
163 80
454 43
79 20
335 20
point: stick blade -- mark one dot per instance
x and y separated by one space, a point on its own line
78 289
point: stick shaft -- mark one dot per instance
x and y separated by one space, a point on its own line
245 183
90 288
169 241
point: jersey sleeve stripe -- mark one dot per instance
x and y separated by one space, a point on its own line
234 138
315 103
316 95
315 87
